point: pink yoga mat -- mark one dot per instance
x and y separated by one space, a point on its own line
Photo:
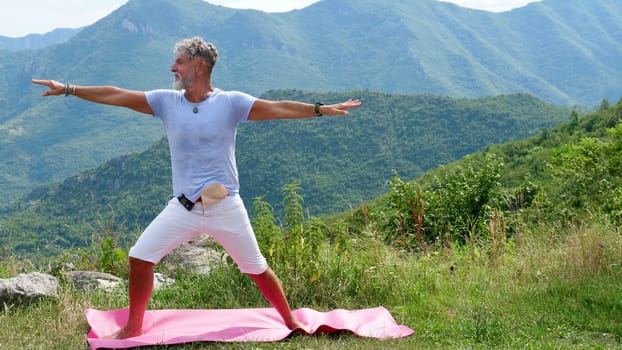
237 325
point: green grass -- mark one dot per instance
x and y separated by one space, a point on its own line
547 288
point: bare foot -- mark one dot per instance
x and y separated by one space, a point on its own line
124 333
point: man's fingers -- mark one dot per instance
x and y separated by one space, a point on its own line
55 88
342 108
349 104
49 83
42 82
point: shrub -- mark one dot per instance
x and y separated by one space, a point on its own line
456 208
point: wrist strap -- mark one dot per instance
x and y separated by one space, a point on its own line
317 109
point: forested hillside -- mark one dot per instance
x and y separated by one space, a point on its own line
565 52
336 161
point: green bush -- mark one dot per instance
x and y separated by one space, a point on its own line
456 208
588 175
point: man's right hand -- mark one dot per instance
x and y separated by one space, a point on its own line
56 88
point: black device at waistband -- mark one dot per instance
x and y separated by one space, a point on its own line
187 203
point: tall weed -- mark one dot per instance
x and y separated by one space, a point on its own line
104 254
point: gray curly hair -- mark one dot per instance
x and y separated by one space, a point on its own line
196 46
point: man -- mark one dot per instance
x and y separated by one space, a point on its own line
201 123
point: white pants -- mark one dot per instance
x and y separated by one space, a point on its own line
226 221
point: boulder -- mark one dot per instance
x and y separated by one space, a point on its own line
25 288
160 281
198 255
92 280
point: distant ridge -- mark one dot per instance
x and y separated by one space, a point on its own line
38 41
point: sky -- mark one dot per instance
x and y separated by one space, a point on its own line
22 17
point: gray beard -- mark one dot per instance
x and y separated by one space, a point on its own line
183 83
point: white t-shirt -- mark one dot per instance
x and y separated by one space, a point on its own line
202 144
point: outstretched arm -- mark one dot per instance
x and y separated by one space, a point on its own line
109 95
266 110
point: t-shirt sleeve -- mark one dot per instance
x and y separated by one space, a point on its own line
242 104
155 99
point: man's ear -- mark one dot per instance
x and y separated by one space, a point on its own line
202 66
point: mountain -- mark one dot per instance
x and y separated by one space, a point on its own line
565 52
336 161
37 41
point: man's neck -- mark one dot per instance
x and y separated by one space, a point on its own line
198 91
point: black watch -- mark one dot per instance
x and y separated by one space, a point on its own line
317 108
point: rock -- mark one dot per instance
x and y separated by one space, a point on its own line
159 281
93 280
199 256
90 280
25 288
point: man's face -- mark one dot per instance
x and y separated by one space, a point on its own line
183 70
